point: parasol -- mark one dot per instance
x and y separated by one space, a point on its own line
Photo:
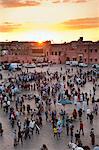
65 101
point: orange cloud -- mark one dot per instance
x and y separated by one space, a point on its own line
25 3
65 1
60 1
9 27
18 3
75 24
80 1
83 23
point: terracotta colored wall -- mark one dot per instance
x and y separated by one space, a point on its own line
87 49
11 58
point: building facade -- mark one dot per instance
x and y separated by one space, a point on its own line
28 52
23 52
81 51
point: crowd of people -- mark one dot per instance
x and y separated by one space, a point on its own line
47 90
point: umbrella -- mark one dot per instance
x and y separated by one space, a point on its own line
65 101
1 88
96 148
79 148
15 90
10 67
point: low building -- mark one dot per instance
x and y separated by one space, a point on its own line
28 52
23 52
81 51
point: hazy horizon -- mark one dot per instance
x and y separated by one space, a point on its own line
52 42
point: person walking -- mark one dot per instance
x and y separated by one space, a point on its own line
81 128
59 131
80 113
32 125
55 132
91 118
92 135
27 133
88 113
96 109
87 101
15 138
77 136
19 124
67 128
71 132
74 114
1 130
20 136
46 115
37 128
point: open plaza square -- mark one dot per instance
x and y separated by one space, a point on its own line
54 106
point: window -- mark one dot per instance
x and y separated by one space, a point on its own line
96 50
55 53
47 53
91 50
96 60
67 59
59 53
52 53
85 59
85 50
91 59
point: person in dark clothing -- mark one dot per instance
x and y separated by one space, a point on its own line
28 108
96 109
91 118
67 128
46 115
77 136
1 130
40 120
23 107
80 113
19 124
72 132
27 133
87 101
92 135
37 126
27 122
20 136
93 99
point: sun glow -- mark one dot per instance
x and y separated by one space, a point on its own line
40 42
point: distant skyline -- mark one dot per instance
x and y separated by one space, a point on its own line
54 20
52 42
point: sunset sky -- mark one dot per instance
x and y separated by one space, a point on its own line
55 20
